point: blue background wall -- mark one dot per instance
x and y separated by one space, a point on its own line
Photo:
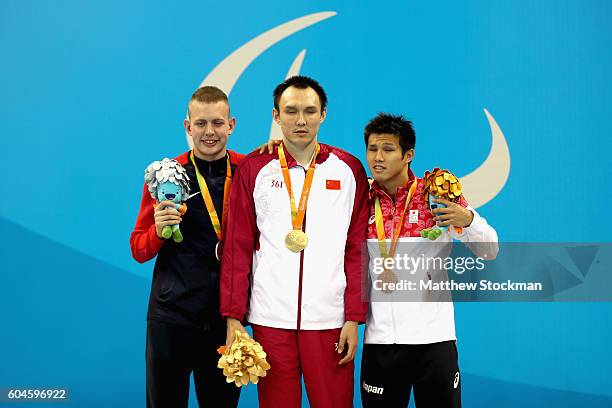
93 92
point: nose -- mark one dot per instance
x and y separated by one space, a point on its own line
170 196
209 130
300 119
379 156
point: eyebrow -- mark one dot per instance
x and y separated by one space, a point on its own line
383 144
212 120
295 107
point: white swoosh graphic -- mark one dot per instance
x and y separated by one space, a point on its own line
226 74
480 186
484 183
229 70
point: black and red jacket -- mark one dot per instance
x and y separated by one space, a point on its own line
185 288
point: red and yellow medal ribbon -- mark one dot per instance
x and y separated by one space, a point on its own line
212 212
297 214
380 226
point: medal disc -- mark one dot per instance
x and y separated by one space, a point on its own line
296 240
218 251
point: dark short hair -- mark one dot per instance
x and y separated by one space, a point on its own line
301 82
209 94
394 125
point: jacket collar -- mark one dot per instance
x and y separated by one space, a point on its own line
324 151
377 190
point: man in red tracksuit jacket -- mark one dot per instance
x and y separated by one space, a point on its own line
292 267
184 326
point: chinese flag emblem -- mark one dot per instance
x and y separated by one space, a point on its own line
332 184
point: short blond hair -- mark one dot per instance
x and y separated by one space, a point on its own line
209 94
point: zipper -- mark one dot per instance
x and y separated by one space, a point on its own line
393 211
299 310
299 305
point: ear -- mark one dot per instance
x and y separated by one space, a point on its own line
232 125
408 156
323 115
187 126
276 115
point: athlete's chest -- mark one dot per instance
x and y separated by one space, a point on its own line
412 218
331 191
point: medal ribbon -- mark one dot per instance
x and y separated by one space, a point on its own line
212 212
380 227
297 214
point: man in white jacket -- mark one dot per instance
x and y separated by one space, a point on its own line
410 342
293 255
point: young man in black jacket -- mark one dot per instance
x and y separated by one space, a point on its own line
184 326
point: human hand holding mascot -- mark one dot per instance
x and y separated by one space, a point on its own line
442 191
168 184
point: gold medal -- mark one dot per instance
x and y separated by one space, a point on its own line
296 240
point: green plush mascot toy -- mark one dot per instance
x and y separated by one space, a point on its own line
167 180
